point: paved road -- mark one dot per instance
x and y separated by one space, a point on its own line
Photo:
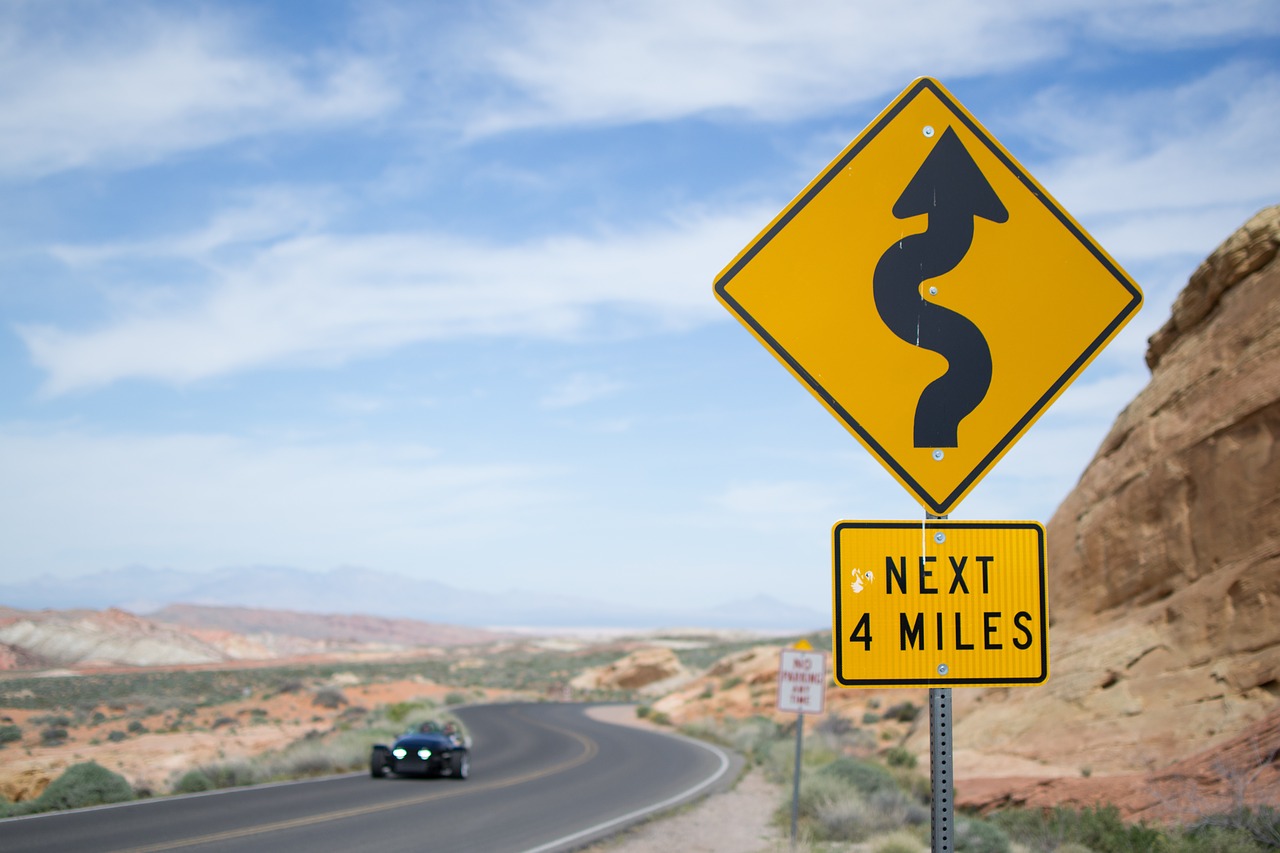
544 777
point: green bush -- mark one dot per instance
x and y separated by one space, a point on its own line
231 774
116 736
1231 831
863 776
978 836
10 733
137 728
193 782
80 785
900 756
53 736
1099 829
905 712
455 697
329 697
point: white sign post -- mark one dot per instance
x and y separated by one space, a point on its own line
802 689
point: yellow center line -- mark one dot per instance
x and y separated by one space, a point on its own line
589 749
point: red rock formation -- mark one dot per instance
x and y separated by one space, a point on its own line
1164 561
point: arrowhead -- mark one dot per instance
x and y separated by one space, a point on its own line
949 181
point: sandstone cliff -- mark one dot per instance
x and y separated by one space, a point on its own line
1164 561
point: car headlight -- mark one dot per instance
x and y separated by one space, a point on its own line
424 754
399 752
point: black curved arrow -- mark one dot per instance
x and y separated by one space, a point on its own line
952 190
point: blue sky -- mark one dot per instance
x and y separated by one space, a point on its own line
426 287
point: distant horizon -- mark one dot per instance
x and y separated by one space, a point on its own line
461 606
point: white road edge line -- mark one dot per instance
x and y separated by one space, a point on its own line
638 813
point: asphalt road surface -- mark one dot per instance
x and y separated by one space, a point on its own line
544 778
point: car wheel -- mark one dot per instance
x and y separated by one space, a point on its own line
461 766
377 764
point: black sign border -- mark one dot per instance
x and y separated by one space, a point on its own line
944 505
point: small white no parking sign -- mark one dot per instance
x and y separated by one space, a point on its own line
802 681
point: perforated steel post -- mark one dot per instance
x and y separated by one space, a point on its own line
940 778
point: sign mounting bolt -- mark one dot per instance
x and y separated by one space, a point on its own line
937 455
939 537
933 291
942 669
928 131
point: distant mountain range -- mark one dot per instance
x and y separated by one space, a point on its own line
140 589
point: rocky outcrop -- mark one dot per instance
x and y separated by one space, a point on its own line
69 638
647 670
1164 561
1244 771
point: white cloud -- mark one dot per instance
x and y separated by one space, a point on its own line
80 499
579 389
1194 148
566 62
136 86
328 298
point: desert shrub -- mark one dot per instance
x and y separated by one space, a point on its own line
10 733
52 720
136 727
224 721
858 816
193 782
978 836
98 718
1224 833
905 712
53 736
329 697
863 776
900 841
80 785
1099 829
731 682
643 711
835 725
230 774
900 756
398 711
455 697
116 736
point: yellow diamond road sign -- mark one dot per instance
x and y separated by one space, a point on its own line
939 603
930 293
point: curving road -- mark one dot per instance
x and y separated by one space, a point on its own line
544 778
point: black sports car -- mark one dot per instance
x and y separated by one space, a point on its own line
429 750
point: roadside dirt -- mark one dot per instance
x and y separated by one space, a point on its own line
733 821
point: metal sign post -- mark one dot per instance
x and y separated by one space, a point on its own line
942 817
802 688
835 288
795 787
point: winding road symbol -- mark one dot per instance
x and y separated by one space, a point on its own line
951 190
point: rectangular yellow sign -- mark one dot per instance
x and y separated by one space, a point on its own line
939 603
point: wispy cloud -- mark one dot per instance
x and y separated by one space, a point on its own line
579 389
128 84
324 299
569 63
